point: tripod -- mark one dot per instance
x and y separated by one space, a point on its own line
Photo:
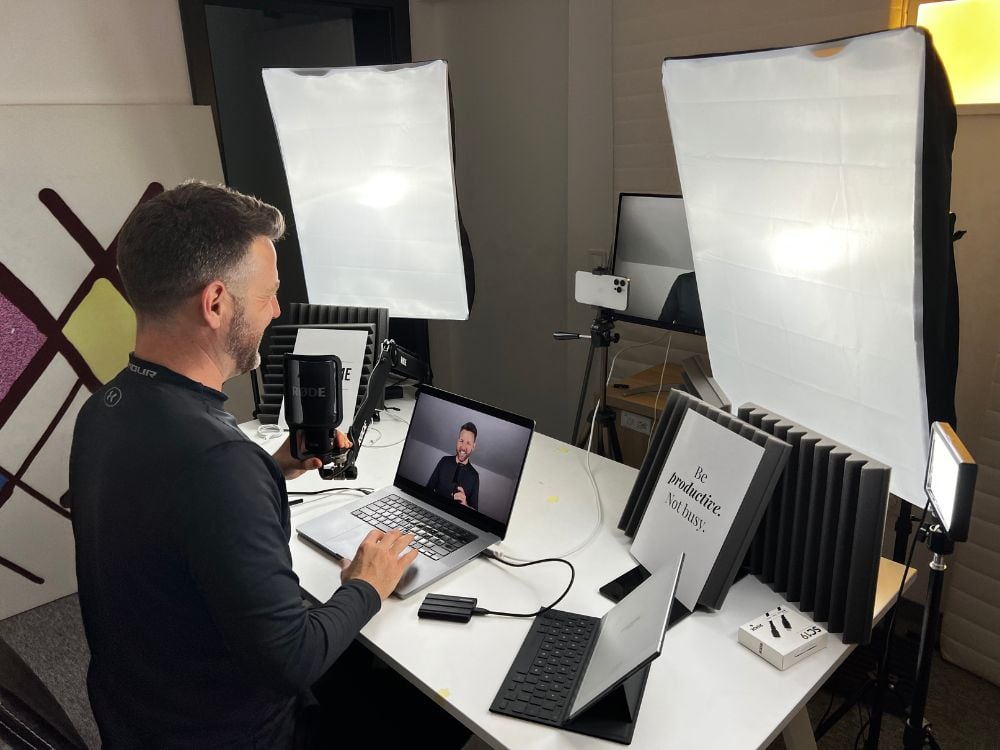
601 336
917 734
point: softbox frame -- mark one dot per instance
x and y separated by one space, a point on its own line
816 181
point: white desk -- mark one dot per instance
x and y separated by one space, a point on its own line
705 690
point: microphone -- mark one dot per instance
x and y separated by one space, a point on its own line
313 404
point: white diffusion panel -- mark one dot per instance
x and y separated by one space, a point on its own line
800 172
368 157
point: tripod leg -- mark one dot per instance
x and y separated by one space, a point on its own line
583 393
616 448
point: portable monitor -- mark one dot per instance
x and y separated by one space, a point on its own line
951 481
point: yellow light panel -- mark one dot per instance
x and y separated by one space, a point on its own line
966 35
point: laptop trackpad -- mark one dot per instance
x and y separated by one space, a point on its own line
347 542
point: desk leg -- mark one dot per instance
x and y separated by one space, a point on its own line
798 735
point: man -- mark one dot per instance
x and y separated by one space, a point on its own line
196 626
454 477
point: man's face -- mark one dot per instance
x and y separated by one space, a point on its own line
465 445
255 305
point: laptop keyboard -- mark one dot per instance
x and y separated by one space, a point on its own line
543 679
434 537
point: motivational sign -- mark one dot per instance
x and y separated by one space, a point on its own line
701 487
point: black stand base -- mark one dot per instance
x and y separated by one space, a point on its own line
613 717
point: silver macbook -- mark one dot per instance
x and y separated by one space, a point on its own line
454 489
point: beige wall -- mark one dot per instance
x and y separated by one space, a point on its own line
95 52
508 68
969 634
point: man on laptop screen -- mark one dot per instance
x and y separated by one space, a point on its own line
454 477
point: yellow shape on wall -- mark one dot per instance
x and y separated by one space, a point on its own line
102 329
966 34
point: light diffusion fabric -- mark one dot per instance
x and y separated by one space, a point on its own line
368 157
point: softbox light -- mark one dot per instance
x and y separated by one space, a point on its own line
368 158
816 183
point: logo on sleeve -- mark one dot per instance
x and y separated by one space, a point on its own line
112 397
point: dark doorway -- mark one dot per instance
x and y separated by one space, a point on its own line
229 42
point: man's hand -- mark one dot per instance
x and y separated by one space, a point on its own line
459 495
292 467
378 560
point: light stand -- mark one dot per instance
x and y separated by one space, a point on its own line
602 335
916 735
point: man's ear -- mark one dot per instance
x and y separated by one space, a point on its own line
214 304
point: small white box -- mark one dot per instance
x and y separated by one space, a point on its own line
782 637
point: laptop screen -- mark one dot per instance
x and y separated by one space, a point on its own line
465 457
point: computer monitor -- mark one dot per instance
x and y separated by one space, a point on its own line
653 249
951 481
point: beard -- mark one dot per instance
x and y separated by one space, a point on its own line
243 345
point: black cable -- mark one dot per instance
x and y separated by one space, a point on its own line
331 491
833 696
891 626
493 556
363 490
861 731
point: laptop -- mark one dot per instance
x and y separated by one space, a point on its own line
588 674
455 485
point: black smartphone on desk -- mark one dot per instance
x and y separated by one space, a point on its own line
619 588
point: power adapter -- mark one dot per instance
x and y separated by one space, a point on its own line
443 607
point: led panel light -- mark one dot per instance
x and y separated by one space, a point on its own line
951 481
368 158
800 170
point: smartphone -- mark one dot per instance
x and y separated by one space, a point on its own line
622 586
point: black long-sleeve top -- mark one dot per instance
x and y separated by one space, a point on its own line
194 618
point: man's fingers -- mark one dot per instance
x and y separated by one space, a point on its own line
391 536
408 558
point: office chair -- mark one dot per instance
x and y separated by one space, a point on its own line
30 716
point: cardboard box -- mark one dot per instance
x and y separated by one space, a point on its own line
782 637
